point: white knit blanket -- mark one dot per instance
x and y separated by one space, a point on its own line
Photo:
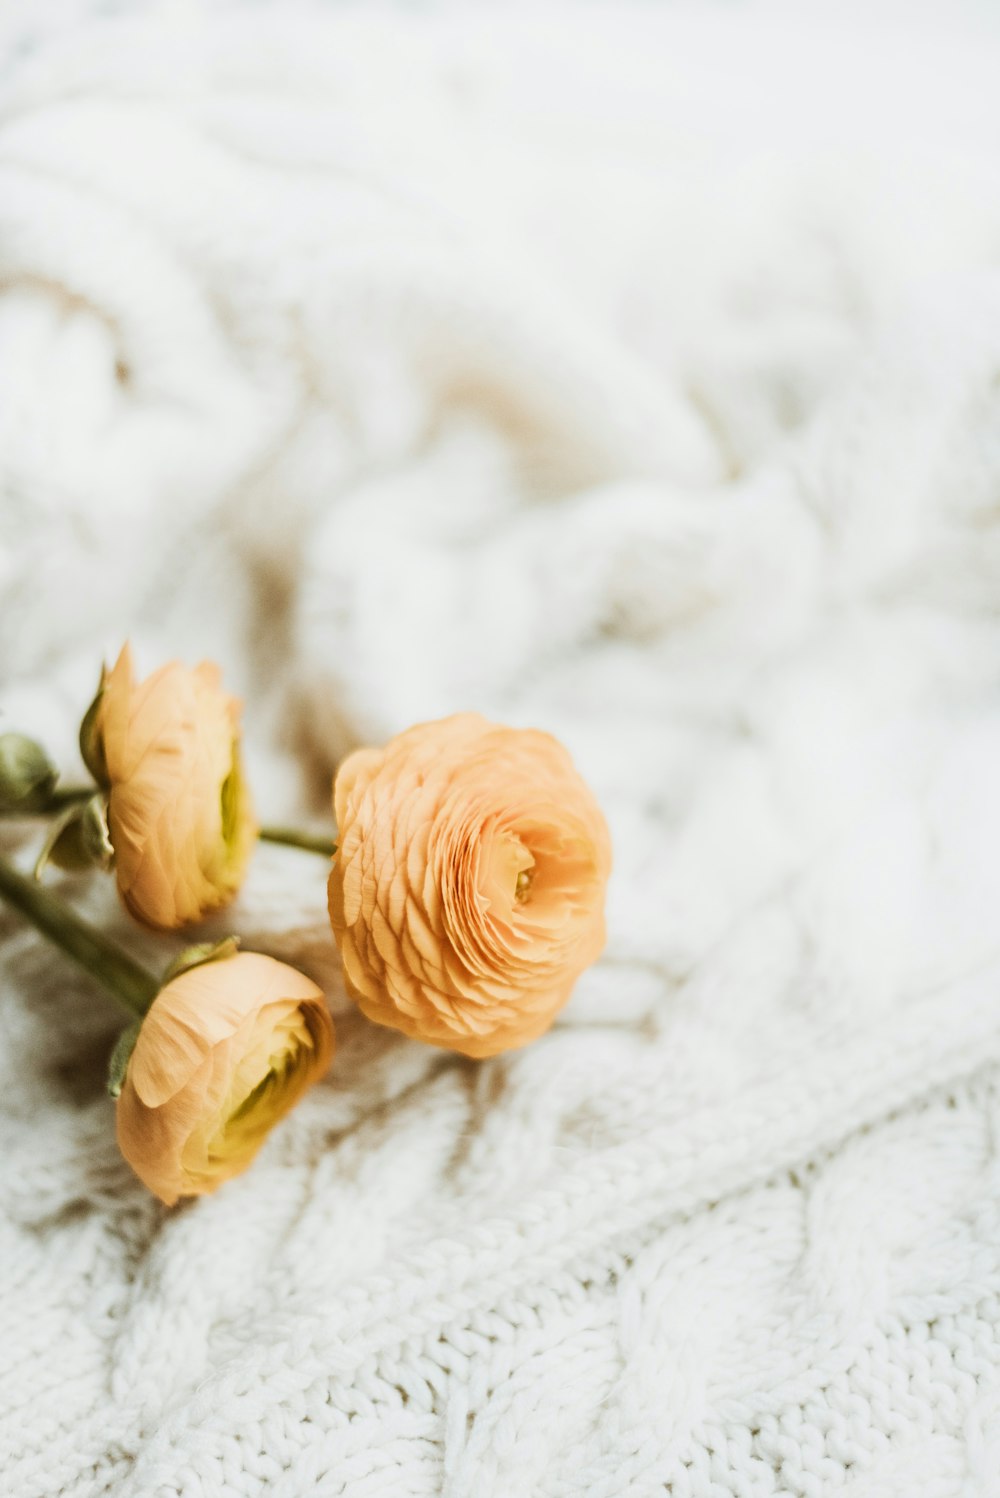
633 372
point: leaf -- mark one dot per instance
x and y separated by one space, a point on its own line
121 1056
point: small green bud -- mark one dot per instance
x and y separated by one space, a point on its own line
27 775
91 743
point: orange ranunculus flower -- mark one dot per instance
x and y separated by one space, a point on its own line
226 1050
179 812
467 890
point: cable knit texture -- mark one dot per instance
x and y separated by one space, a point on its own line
632 373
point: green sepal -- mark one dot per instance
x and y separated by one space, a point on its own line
121 1056
95 835
27 775
199 954
63 844
91 743
78 839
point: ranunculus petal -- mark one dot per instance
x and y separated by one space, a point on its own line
467 892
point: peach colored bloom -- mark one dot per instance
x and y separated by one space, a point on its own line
226 1050
467 891
179 812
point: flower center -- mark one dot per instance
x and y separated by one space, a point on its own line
231 804
505 873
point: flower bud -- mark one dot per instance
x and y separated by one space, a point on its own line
27 775
228 1047
179 813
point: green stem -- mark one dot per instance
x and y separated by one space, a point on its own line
71 795
59 799
132 985
292 838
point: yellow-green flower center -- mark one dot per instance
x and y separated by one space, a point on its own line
257 1113
231 804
